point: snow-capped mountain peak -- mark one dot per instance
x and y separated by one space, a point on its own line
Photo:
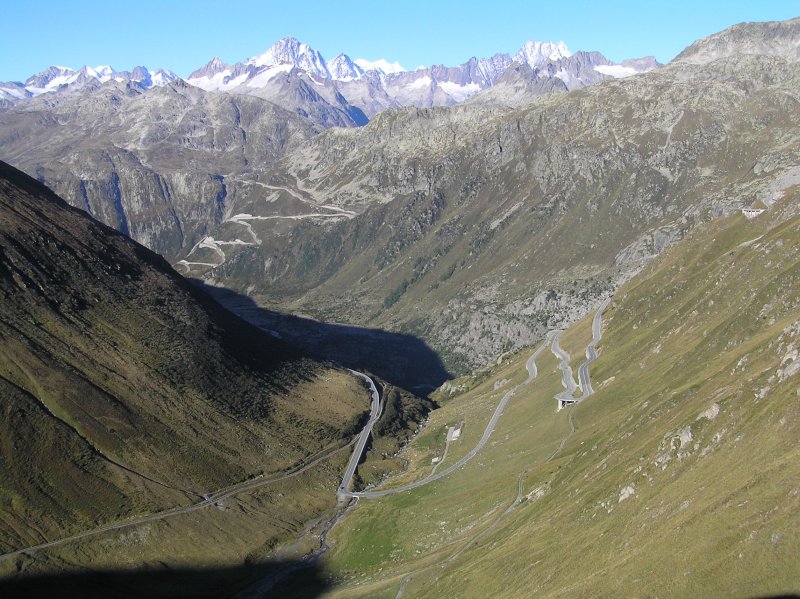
214 66
103 71
53 78
290 51
49 76
342 68
535 54
162 77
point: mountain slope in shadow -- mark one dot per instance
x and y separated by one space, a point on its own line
125 390
401 359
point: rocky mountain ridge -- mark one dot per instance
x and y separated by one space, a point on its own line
370 88
773 39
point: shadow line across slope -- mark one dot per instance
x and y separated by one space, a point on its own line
403 360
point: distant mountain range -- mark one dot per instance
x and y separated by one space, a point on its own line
57 78
357 86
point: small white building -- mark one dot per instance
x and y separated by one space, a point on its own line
456 431
752 212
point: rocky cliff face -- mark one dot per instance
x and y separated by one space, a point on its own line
162 180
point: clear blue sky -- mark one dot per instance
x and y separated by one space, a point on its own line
182 35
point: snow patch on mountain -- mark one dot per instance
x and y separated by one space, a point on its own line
162 77
264 76
214 82
420 83
615 70
381 65
459 92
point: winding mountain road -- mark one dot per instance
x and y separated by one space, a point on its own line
565 397
568 395
591 351
532 372
343 492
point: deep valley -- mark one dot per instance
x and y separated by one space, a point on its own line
293 327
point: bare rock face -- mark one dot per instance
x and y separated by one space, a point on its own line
517 85
780 39
163 180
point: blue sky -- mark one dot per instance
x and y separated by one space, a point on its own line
182 35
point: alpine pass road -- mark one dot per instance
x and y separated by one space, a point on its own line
375 413
532 371
591 352
567 396
552 340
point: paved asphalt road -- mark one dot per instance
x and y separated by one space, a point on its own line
591 352
343 491
567 379
532 371
566 370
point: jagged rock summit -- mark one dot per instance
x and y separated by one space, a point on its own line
57 78
298 77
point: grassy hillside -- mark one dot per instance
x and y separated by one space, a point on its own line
682 477
125 391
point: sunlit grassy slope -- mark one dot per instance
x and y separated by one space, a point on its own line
682 477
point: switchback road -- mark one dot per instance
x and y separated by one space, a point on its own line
566 396
532 372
